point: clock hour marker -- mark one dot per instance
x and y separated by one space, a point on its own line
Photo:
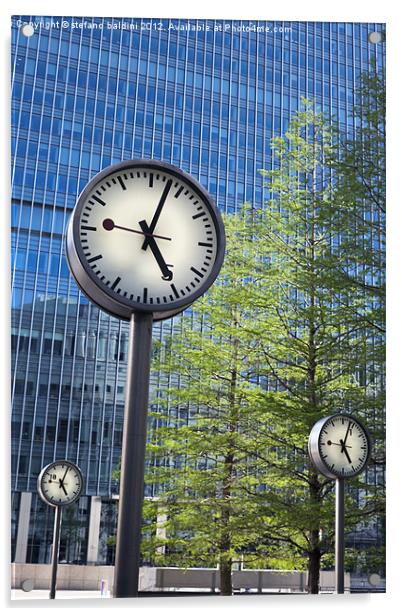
179 192
92 259
122 184
174 290
193 269
87 228
206 244
116 282
145 295
199 215
98 200
151 180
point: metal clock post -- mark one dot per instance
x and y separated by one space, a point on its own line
55 551
60 483
339 535
339 448
144 241
128 544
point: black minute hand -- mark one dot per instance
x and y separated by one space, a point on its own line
154 220
167 274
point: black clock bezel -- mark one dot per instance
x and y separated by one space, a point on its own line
42 473
315 451
104 297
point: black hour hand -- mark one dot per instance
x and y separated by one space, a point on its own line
61 485
166 273
345 451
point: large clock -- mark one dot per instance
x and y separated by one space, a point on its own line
339 446
60 483
144 236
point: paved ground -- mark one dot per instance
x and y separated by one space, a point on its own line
17 594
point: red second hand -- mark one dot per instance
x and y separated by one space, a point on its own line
109 225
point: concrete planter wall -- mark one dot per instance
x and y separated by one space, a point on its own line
90 577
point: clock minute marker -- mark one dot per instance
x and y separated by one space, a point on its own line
121 182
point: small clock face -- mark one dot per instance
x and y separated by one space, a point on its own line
340 446
147 237
60 483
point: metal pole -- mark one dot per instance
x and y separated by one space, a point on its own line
55 551
340 537
133 455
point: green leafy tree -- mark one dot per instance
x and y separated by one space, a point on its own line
273 347
360 208
211 471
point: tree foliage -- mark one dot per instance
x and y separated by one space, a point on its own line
290 332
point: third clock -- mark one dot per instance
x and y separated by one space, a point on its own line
339 446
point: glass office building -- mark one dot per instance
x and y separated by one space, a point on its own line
206 96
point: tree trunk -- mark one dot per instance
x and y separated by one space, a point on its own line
314 569
314 560
225 561
313 325
226 576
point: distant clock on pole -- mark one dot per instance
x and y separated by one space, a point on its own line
339 446
144 237
60 483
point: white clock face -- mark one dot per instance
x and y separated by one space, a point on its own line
343 446
147 237
60 483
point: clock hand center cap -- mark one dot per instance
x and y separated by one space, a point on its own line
108 224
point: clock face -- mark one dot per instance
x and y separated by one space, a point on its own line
340 446
146 237
60 483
